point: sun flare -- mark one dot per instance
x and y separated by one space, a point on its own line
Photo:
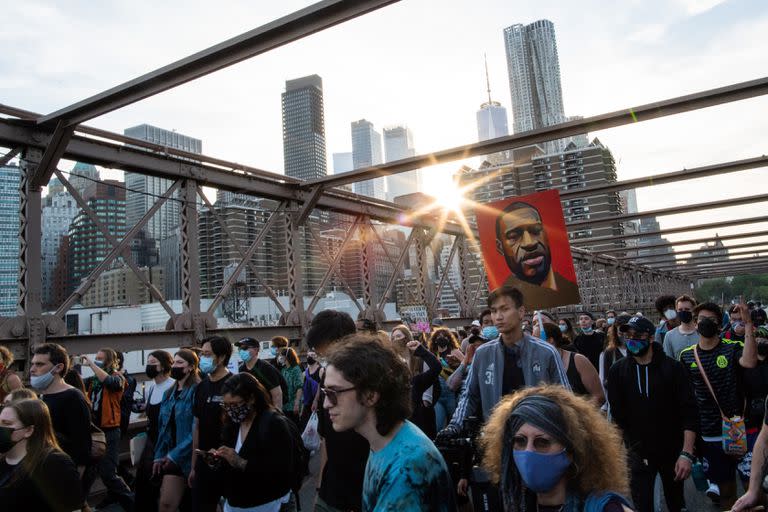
449 197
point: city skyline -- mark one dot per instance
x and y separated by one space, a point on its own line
641 53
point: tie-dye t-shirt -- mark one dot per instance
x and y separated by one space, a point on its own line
409 474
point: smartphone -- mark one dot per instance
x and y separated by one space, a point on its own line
208 457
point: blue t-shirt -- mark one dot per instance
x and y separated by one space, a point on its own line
408 474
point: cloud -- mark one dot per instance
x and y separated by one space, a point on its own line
652 33
694 7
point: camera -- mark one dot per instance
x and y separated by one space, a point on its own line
463 457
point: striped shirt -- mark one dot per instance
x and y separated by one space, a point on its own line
722 367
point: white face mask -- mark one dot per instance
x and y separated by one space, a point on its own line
670 314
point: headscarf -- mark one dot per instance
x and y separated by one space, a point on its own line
545 414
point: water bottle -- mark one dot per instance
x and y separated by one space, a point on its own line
699 478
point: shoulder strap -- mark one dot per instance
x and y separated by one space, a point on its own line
706 379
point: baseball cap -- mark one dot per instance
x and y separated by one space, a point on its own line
247 343
436 322
639 324
476 323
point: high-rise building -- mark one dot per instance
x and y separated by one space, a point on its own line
576 168
649 227
87 246
81 177
398 144
144 191
59 209
121 287
9 239
304 154
491 121
366 152
534 78
217 253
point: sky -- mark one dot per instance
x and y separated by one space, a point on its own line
420 63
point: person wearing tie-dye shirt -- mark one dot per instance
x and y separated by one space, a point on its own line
366 389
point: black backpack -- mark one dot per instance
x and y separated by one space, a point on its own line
299 453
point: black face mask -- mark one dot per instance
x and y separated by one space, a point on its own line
6 443
178 373
707 328
762 348
685 316
442 343
151 371
311 360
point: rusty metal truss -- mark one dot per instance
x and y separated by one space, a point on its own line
625 281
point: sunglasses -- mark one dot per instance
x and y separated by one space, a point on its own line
333 394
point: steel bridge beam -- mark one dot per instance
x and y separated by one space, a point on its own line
645 259
676 243
630 115
710 205
116 156
670 177
670 231
282 31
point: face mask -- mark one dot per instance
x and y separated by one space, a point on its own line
611 321
273 351
670 314
563 328
99 363
637 347
737 324
707 328
41 382
245 355
6 442
311 360
762 348
587 330
178 373
541 471
206 364
490 332
151 371
237 413
685 316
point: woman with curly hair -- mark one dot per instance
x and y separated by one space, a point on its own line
551 450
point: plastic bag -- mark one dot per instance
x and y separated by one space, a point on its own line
310 437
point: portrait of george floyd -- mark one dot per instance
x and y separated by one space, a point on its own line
525 244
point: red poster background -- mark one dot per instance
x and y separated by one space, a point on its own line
551 211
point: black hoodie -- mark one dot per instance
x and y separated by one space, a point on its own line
652 404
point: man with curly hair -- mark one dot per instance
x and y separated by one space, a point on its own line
367 390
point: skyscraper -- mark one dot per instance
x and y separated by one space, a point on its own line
9 239
304 128
366 151
491 121
143 191
398 144
58 211
534 77
87 246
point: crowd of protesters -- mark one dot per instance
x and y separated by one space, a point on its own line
577 413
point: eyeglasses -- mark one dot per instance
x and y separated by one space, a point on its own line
540 444
333 394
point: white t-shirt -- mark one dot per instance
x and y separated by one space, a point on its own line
157 391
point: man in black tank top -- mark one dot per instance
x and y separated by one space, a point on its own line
652 401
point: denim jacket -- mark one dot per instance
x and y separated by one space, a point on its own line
539 361
181 452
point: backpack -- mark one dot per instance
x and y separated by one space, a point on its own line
299 453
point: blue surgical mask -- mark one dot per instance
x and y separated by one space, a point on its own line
611 321
273 351
541 471
245 355
206 364
41 382
563 328
99 363
490 332
586 330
